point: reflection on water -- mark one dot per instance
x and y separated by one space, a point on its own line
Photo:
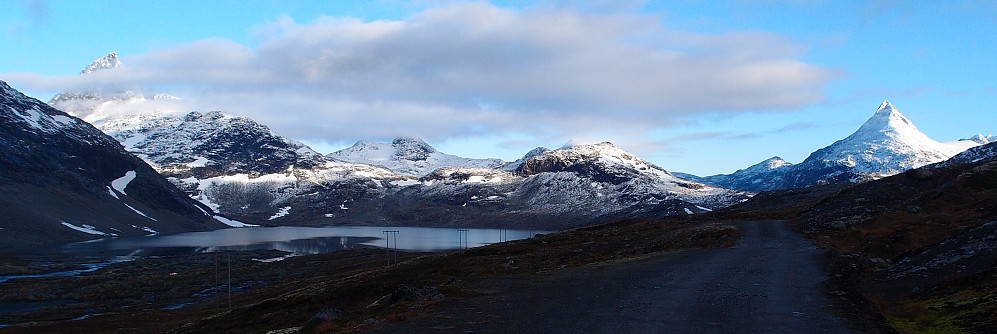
303 240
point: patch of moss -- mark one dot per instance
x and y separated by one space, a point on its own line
968 307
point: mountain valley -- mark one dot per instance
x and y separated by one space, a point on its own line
885 230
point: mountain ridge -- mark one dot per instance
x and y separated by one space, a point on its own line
246 171
407 156
886 144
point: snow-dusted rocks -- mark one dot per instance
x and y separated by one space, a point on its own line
208 144
407 156
563 188
972 155
886 144
513 166
607 166
982 140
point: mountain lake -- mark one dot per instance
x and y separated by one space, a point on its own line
302 240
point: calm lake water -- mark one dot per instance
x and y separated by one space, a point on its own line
303 240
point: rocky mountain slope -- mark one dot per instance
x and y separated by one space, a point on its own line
407 156
758 177
886 144
920 244
231 164
63 180
555 189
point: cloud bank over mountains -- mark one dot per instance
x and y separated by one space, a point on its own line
469 70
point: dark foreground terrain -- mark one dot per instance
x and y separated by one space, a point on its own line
914 252
770 282
341 292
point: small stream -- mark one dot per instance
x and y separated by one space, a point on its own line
87 267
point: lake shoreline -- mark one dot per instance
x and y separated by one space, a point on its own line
176 284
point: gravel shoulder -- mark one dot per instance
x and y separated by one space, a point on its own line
769 282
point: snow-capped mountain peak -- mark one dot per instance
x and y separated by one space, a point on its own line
599 158
769 164
982 140
512 166
110 102
407 156
888 143
413 149
107 62
888 119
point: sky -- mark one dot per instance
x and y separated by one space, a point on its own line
703 87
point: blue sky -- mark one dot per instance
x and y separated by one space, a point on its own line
696 86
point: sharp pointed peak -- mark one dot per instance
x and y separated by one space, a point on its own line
887 116
886 106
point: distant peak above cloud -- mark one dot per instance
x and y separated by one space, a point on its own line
107 62
571 143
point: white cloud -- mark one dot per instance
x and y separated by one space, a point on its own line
475 69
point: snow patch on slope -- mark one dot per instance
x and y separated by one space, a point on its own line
113 194
121 183
147 229
87 229
139 212
280 213
233 223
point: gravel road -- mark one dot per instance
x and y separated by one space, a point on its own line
767 283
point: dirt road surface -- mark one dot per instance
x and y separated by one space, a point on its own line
767 283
